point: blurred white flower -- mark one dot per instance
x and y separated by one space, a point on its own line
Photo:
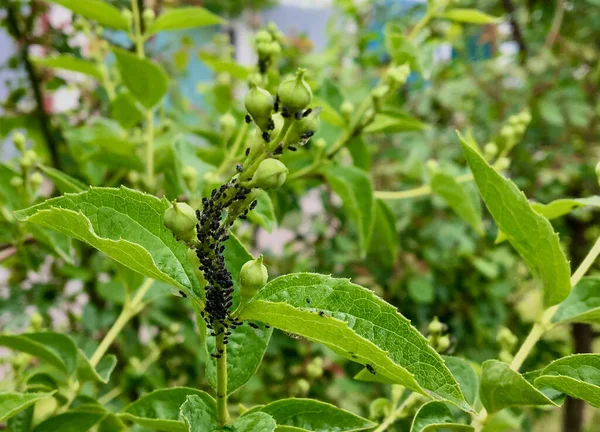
65 99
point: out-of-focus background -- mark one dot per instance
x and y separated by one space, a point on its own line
542 56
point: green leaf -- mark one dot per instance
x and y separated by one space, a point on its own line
112 423
146 80
385 123
470 16
384 240
100 374
264 212
328 113
21 422
558 208
582 305
63 182
246 346
219 65
125 111
530 233
58 243
501 387
254 422
455 195
400 48
577 375
160 409
70 63
9 195
358 325
127 226
361 157
96 10
436 416
183 18
314 415
466 376
355 189
12 403
77 420
57 349
199 414
116 153
182 154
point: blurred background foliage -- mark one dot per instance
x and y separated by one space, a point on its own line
427 261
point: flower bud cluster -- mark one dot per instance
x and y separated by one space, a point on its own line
507 341
437 339
268 47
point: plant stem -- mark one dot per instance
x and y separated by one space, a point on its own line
222 413
395 414
150 149
420 24
416 192
130 309
541 327
232 153
137 28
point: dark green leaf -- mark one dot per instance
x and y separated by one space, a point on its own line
146 80
96 10
183 18
63 182
59 244
100 374
501 387
358 325
530 233
254 422
436 416
125 111
582 305
200 414
355 189
21 422
160 409
384 241
466 376
127 226
55 348
77 420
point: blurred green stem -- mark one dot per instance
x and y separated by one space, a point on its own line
416 192
130 309
397 412
221 348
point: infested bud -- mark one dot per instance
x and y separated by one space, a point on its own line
270 174
253 276
19 141
294 94
180 218
259 104
306 127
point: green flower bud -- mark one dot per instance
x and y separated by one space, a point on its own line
259 103
507 131
506 339
28 158
505 356
19 141
294 94
513 120
525 117
519 128
36 321
398 74
347 108
263 49
314 369
380 408
301 130
270 174
263 36
253 276
490 150
432 165
502 164
435 326
148 16
300 388
190 177
36 180
227 123
443 343
180 218
273 48
16 182
126 13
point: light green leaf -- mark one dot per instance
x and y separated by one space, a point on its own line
41 382
436 416
125 111
58 243
264 212
199 414
219 65
70 63
365 375
577 375
9 195
12 403
328 113
160 409
361 156
384 240
394 124
246 346
314 415
530 233
466 376
100 374
146 80
358 325
355 189
116 153
400 48
57 349
96 10
63 182
582 305
254 422
470 16
127 226
112 423
77 420
558 208
457 198
501 387
183 18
